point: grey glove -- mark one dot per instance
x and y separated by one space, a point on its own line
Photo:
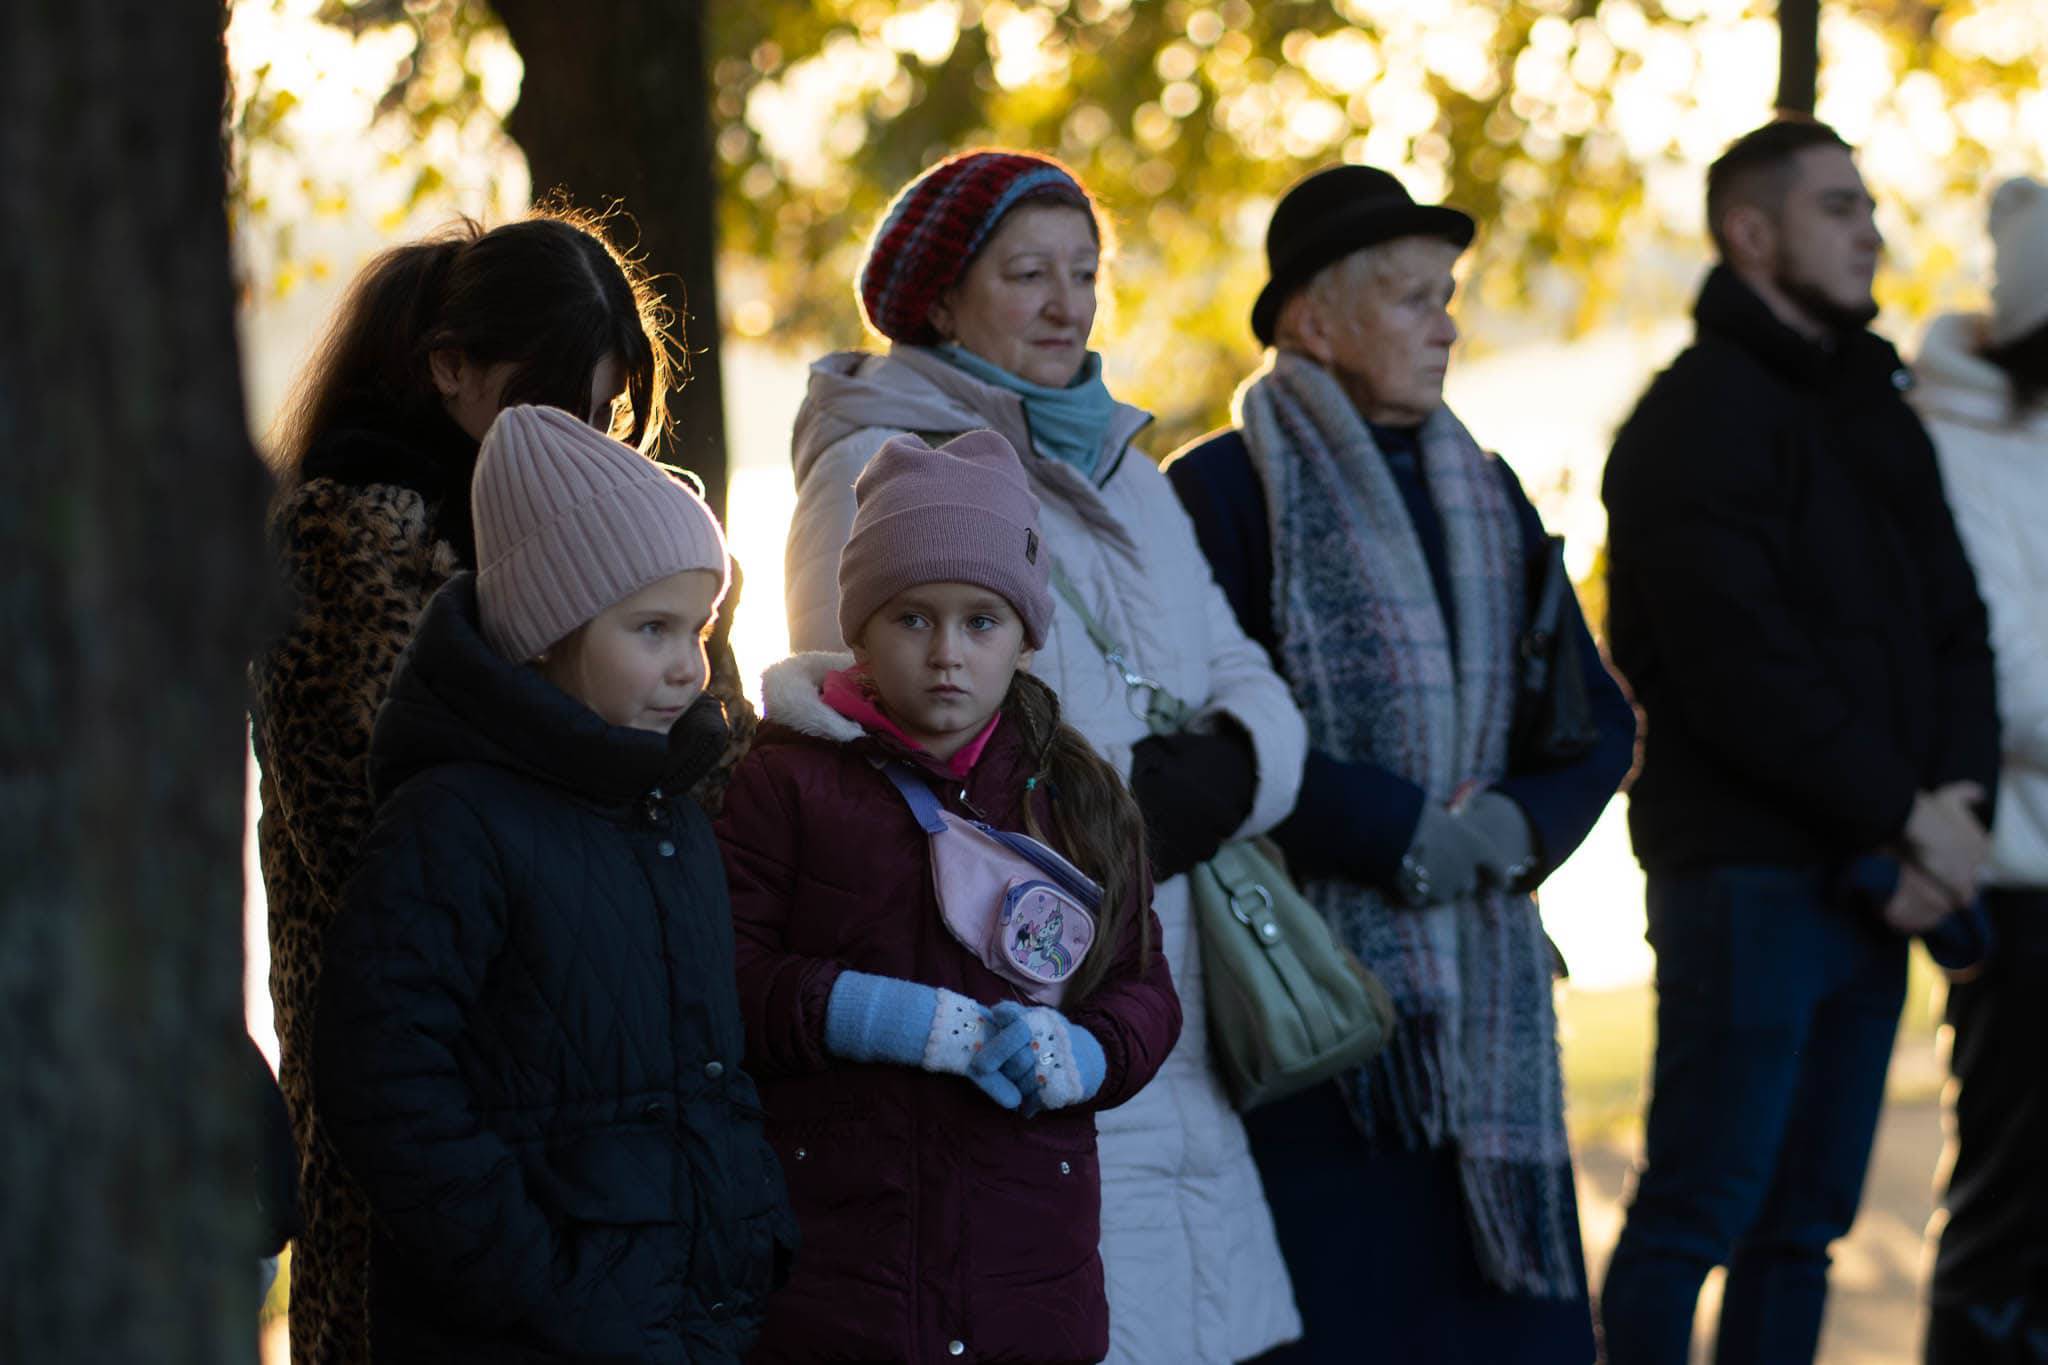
1444 860
1485 842
1506 830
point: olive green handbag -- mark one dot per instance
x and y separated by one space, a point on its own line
1288 1005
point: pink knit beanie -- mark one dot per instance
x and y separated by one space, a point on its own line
963 513
569 523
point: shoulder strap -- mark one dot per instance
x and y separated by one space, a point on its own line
1097 635
1163 711
924 805
917 795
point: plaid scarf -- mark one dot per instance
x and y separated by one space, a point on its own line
1368 653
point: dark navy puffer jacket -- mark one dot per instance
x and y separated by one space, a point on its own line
528 1044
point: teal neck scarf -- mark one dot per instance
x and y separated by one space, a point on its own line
1066 424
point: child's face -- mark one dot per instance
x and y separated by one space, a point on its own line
640 663
942 656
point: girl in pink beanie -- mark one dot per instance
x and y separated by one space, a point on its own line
527 1050
937 1003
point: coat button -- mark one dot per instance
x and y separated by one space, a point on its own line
1065 1169
956 1347
654 1111
802 1152
714 1069
666 849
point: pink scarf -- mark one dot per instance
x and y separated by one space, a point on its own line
851 692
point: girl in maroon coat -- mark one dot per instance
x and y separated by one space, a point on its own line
931 1050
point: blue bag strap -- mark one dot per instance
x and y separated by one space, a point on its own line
1064 874
924 807
917 795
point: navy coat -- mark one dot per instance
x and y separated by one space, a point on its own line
528 1044
1356 819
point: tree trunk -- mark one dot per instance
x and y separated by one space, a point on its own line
129 535
1798 55
618 107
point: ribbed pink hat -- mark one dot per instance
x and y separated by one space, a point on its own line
569 523
963 513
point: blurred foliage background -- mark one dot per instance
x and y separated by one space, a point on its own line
1576 132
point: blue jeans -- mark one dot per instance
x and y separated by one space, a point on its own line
1776 1012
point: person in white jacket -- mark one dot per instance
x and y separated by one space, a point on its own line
983 277
1983 392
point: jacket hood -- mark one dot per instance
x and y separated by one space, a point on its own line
793 704
1729 308
914 388
1956 383
792 695
454 699
850 391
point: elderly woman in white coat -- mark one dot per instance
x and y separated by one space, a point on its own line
1983 391
983 276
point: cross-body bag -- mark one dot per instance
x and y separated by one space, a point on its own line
1288 1005
1014 903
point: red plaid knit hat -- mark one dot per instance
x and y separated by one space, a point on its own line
937 224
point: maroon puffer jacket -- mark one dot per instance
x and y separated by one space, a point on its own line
936 1226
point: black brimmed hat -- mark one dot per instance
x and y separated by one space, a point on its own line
1330 214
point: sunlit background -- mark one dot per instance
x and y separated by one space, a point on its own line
1578 133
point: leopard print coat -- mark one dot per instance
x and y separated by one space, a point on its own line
362 561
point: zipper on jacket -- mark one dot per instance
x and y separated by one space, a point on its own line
654 807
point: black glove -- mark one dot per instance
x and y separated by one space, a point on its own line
1194 790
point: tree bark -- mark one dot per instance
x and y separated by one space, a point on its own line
129 536
618 107
1798 55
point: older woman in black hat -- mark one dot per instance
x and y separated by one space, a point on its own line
1425 1203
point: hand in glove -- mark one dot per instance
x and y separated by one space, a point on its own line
1444 861
886 1019
1483 841
1194 790
1507 833
1052 1061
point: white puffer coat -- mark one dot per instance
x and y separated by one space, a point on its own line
1994 466
1194 1272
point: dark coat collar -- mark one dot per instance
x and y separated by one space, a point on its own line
426 452
455 700
1729 308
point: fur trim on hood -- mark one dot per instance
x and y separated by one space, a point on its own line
792 694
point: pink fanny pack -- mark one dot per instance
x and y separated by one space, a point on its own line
1020 907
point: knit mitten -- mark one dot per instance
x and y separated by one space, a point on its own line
1055 1063
887 1019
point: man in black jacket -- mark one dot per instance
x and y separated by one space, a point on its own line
1790 603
